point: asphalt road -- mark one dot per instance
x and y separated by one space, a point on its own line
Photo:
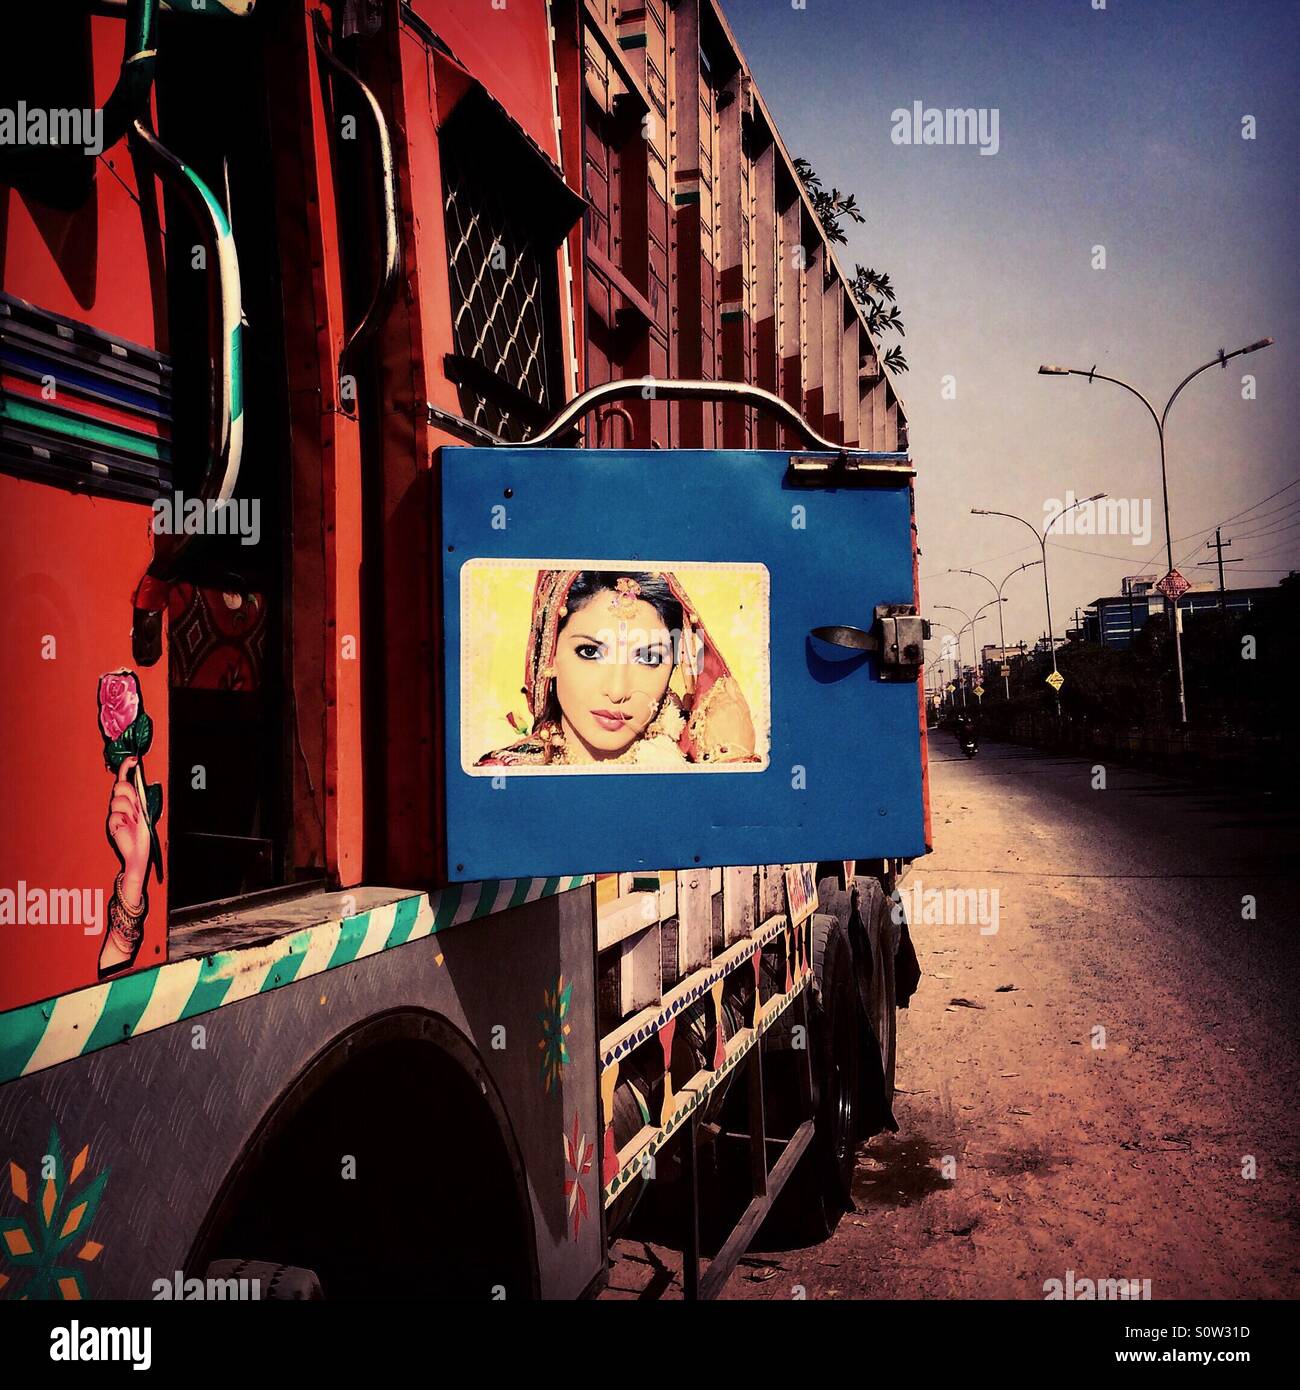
1116 1095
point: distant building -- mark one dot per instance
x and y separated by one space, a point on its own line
995 655
1112 620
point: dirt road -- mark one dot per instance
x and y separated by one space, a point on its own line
1126 1057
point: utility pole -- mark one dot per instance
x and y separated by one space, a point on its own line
1220 545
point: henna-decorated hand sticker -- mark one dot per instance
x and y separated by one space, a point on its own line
133 811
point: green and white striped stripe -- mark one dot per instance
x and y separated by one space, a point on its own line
72 1025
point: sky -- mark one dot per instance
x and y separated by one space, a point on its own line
1118 127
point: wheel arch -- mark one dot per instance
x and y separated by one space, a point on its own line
444 1047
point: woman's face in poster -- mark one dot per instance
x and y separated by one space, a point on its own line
613 662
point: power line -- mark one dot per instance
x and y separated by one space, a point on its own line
1290 506
1260 503
1154 556
1247 535
1275 549
1269 531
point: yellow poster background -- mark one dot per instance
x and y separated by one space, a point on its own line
496 601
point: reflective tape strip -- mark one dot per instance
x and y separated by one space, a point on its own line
42 1035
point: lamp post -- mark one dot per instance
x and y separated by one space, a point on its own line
948 700
970 623
1221 360
974 647
997 589
1041 538
957 632
948 608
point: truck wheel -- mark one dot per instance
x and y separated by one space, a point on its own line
875 912
284 1282
819 1190
631 1115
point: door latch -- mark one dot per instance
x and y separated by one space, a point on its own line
897 638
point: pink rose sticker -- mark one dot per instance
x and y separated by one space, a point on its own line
119 703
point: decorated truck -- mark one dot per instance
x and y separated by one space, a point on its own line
462 666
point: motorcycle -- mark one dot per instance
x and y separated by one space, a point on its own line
967 738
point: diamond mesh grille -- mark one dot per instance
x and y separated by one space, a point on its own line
501 304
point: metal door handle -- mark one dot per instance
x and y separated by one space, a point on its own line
843 636
897 638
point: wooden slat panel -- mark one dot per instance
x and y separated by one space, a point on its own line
849 378
736 327
687 330
627 310
767 372
710 249
695 916
738 902
625 917
790 314
771 896
864 391
640 983
832 341
690 986
814 389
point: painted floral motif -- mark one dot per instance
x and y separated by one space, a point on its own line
578 1155
38 1242
119 703
554 1019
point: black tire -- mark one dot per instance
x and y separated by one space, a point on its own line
883 932
818 1192
273 1281
631 1115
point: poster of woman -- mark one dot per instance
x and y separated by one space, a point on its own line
627 666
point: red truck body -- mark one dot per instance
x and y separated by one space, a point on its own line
621 167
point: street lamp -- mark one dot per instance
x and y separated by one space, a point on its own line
935 623
1042 545
1221 360
974 646
970 623
997 589
953 660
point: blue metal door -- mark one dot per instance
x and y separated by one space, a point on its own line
631 672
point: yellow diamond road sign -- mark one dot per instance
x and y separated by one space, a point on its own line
1056 680
979 691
